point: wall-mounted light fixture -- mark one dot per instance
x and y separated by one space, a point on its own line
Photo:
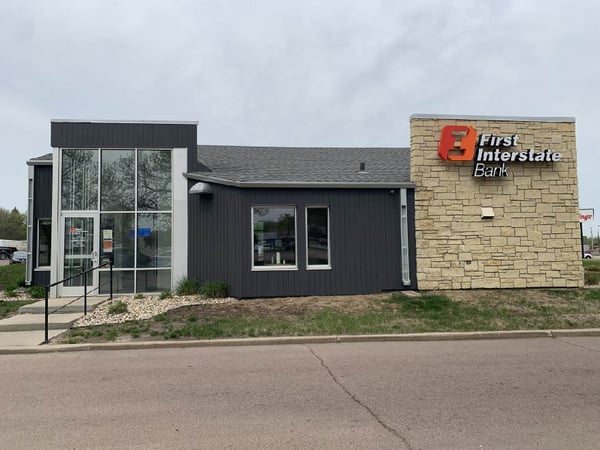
487 213
201 188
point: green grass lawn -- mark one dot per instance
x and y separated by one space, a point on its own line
8 309
481 310
12 276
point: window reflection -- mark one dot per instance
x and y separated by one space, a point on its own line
274 236
78 246
317 236
122 282
44 241
154 180
122 226
153 280
118 180
79 179
131 189
154 240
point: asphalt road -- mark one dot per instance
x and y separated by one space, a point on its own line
494 394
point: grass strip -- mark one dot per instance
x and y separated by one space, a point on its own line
8 309
494 310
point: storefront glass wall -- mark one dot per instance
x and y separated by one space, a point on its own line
131 192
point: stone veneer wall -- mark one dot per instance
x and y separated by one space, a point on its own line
534 238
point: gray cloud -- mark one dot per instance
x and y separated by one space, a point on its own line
293 73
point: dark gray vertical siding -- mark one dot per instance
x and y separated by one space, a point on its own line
214 236
364 240
41 278
119 135
42 188
42 209
95 134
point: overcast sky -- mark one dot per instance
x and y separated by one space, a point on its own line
295 73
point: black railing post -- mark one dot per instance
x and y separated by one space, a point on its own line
46 290
85 293
111 277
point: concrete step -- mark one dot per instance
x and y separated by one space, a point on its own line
62 306
30 322
15 339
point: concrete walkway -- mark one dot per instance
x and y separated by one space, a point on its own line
26 329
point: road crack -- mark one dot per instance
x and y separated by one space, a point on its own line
360 403
562 339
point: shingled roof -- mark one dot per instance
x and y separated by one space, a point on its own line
303 166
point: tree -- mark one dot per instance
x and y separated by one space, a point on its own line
13 225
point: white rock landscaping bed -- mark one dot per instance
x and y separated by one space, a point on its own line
143 308
21 294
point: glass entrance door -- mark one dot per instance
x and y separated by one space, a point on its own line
80 234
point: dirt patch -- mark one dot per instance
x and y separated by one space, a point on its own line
282 307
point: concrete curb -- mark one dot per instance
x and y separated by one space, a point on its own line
413 337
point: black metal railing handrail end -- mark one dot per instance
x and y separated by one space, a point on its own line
83 273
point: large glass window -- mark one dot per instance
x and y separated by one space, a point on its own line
79 180
154 240
117 180
153 280
122 226
122 282
43 243
317 237
154 180
274 237
131 189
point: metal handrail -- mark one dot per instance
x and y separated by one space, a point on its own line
84 274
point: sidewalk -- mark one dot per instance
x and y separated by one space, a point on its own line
26 329
304 340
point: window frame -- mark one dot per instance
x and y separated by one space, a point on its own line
38 266
318 266
274 267
135 211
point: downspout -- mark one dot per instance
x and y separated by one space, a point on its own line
404 244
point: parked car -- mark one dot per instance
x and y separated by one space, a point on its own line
18 258
6 252
587 255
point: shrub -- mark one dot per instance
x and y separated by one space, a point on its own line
186 286
36 292
11 292
118 307
139 296
165 294
591 277
214 289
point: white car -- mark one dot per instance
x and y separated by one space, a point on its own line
587 255
18 258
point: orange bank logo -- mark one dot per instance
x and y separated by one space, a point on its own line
489 152
457 143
